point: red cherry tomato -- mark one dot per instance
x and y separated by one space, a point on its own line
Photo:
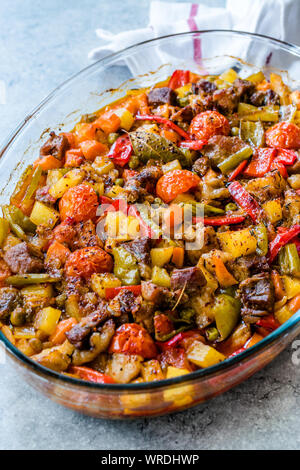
176 182
86 261
80 203
285 135
208 124
131 338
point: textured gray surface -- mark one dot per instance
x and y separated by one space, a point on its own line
41 44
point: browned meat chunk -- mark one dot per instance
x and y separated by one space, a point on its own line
201 166
264 98
203 86
79 334
149 174
220 147
55 146
185 114
85 235
154 293
21 261
243 88
226 100
123 305
246 266
257 296
268 187
140 248
9 300
191 277
162 95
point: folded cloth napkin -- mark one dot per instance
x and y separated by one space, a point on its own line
276 18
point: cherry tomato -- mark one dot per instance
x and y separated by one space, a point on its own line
208 124
79 202
285 135
176 182
131 338
89 260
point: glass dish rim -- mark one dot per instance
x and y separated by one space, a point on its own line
192 376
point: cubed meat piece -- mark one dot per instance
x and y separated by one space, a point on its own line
57 358
163 95
201 166
246 266
264 98
226 100
140 248
42 195
185 114
270 186
292 207
123 305
243 88
85 235
99 342
192 278
220 147
203 86
150 173
21 261
9 300
80 333
55 146
257 296
153 293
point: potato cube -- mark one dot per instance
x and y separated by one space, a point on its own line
70 179
37 295
181 395
273 210
126 118
229 75
47 319
173 165
151 371
103 165
203 355
99 282
160 277
283 314
238 243
42 214
161 256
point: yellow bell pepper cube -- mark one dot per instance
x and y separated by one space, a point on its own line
203 355
183 90
229 76
283 314
42 214
103 165
256 78
47 319
151 371
238 243
161 256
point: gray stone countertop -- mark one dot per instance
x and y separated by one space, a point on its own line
42 43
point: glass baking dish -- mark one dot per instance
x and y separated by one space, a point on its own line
105 81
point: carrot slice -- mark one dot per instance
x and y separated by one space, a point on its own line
48 162
59 335
224 277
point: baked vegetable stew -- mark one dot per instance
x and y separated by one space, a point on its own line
161 235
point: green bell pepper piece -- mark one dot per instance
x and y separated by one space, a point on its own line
126 267
226 311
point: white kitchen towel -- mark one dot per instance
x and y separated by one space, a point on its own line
275 18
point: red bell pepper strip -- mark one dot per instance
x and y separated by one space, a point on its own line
237 170
179 78
111 292
268 322
238 351
245 200
165 121
261 162
281 240
193 144
120 152
287 157
280 167
231 219
91 375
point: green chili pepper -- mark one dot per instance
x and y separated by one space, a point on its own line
33 185
226 311
187 315
17 230
24 279
289 260
261 235
4 228
126 267
212 333
252 132
172 334
234 160
196 208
